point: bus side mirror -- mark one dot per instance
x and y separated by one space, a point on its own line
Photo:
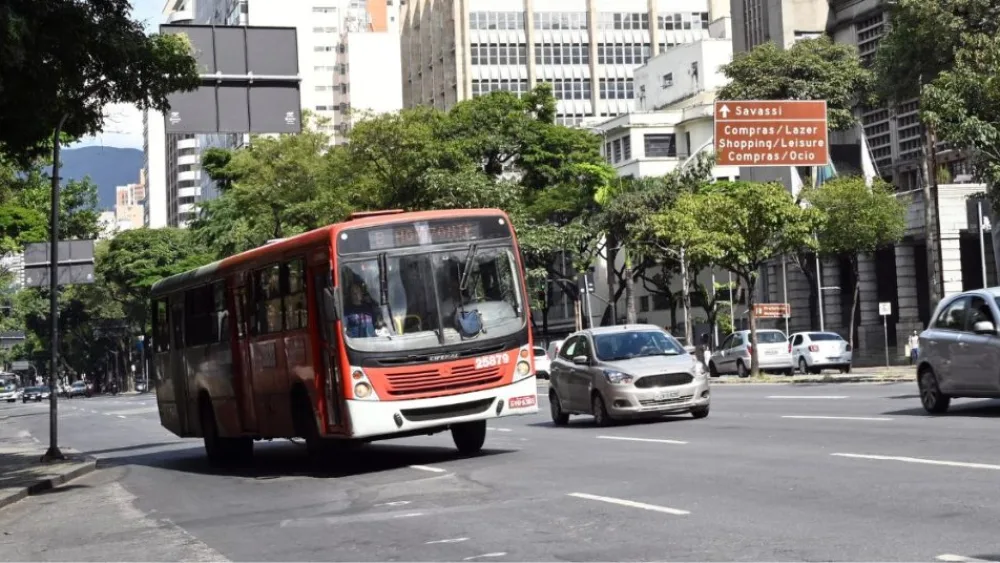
331 303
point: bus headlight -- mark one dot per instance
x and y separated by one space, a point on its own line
362 390
523 369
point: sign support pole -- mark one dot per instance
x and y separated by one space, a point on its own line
53 453
885 336
784 287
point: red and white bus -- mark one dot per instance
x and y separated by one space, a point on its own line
389 324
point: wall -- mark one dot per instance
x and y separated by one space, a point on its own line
374 62
677 62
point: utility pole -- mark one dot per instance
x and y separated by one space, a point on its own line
53 453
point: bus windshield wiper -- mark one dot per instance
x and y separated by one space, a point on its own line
383 290
467 271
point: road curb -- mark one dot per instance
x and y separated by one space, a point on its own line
858 379
85 466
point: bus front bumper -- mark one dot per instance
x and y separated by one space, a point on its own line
384 418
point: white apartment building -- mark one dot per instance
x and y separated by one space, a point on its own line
368 69
454 50
673 121
176 182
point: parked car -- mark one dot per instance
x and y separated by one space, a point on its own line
542 363
621 372
960 350
36 394
78 389
812 352
733 355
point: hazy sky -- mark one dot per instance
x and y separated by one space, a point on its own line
123 123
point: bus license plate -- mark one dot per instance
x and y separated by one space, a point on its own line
521 402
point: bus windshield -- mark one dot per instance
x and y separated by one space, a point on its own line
426 299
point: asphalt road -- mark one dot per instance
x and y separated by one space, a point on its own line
776 472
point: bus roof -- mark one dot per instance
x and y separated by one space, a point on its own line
263 253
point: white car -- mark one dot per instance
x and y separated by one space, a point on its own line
542 363
813 352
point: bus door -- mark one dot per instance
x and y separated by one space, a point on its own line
243 368
322 279
178 366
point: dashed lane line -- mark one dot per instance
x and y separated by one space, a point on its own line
631 439
871 418
631 504
961 558
807 396
428 468
920 460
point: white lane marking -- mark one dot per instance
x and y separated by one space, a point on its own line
409 515
452 540
495 554
500 429
797 417
394 503
631 503
95 412
921 460
630 439
427 468
121 416
807 396
958 558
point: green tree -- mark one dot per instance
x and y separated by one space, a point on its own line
811 69
855 220
133 261
741 225
923 41
112 60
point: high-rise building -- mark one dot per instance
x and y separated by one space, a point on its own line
128 206
454 50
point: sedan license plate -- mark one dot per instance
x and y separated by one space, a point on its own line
771 352
668 395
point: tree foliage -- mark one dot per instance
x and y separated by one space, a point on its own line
71 58
853 220
811 69
740 225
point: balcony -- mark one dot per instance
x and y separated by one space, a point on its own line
192 175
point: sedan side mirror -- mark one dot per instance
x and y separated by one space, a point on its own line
690 349
581 360
985 327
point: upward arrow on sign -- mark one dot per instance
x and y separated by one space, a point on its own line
724 110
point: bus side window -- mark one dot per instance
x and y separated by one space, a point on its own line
161 326
294 292
267 300
221 324
177 321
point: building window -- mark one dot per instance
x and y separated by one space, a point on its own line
324 10
660 145
617 145
484 54
643 303
496 20
560 20
631 54
668 80
562 54
616 89
619 20
627 147
323 49
571 88
483 87
682 21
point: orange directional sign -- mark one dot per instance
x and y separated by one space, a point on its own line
772 310
771 133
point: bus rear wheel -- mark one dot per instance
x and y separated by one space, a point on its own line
222 451
469 437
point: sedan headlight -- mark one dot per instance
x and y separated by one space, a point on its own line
617 377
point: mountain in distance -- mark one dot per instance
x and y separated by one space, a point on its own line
108 167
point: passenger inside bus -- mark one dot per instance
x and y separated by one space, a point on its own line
361 313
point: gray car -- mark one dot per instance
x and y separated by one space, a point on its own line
959 353
622 372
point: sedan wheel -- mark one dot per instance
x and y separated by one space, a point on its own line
558 416
931 397
601 417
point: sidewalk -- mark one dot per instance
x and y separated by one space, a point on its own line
22 472
892 374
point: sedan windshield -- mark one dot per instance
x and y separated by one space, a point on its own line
635 344
419 301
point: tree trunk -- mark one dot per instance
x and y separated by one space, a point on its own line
931 218
631 315
686 299
754 352
856 297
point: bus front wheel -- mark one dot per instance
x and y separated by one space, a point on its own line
469 437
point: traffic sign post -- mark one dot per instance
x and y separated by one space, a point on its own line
885 309
771 133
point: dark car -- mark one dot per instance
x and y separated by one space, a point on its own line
78 389
35 394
